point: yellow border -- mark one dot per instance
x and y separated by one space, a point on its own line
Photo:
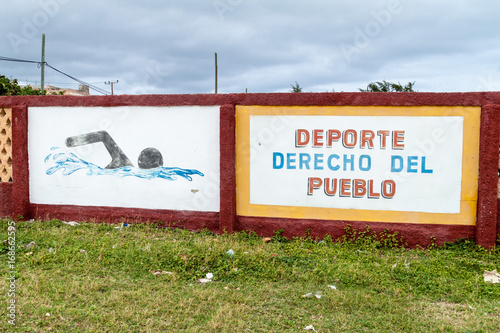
470 164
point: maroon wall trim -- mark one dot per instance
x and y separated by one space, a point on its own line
20 168
227 169
390 99
413 234
168 218
488 176
5 199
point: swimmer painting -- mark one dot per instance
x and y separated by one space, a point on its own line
149 158
150 161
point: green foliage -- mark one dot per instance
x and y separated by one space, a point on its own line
384 86
12 88
296 88
367 239
96 277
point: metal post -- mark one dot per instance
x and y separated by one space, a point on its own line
42 84
216 72
111 83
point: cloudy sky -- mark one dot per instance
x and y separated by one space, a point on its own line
168 46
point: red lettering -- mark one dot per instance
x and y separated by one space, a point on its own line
301 138
388 189
398 138
345 187
371 193
332 135
359 188
313 184
354 138
383 137
367 139
330 186
317 138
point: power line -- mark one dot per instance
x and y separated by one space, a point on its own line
18 60
99 90
102 91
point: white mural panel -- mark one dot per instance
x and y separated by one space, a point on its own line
131 156
392 163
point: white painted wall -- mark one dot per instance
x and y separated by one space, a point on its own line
187 137
439 139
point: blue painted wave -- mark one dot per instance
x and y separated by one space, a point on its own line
69 163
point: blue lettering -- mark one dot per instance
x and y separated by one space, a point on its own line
330 166
281 160
395 158
412 162
424 170
318 159
304 160
290 158
350 161
368 164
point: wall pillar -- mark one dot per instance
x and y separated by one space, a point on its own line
20 172
486 227
227 215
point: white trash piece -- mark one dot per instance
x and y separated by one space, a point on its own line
71 223
208 278
316 294
492 276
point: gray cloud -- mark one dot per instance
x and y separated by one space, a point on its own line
262 46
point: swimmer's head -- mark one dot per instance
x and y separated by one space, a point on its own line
150 158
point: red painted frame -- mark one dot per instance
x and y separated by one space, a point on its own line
227 220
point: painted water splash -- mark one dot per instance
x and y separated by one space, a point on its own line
69 163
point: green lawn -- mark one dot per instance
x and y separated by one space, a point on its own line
97 278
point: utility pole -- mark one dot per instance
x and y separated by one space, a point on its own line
111 83
42 84
216 72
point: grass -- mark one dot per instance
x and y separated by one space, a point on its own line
96 278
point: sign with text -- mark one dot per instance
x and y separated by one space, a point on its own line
405 163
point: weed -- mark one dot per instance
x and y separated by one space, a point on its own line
370 239
257 287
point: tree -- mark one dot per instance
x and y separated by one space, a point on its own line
12 88
296 87
385 86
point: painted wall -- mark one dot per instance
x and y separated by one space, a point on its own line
185 139
238 162
392 164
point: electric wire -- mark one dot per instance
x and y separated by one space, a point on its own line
99 90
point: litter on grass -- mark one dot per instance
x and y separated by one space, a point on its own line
310 328
316 294
123 225
160 272
71 223
30 245
492 276
208 278
332 287
230 252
